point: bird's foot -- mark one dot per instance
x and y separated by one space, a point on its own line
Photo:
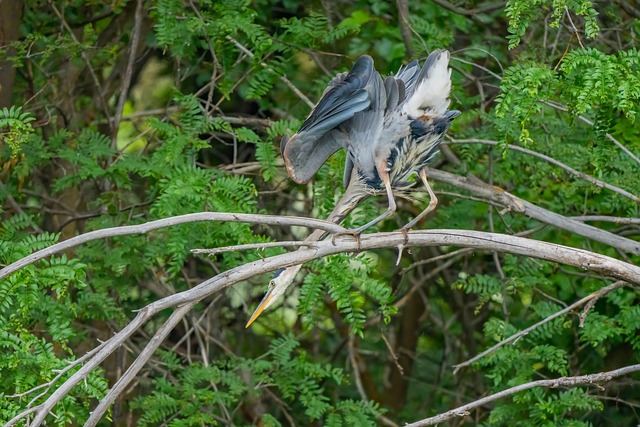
355 234
401 246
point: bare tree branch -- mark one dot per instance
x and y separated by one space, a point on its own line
250 246
463 411
168 222
605 218
126 81
514 337
356 374
516 204
153 344
553 161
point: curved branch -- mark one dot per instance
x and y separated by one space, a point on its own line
463 411
593 296
553 161
168 222
516 204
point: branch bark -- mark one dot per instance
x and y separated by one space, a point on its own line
463 411
464 238
516 204
168 222
591 297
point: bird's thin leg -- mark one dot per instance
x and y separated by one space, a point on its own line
384 176
433 202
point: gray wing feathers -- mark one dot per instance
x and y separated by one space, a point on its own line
348 170
366 125
395 90
346 97
319 136
408 74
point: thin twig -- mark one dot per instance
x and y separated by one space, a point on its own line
573 26
514 337
283 78
403 23
87 61
128 73
250 246
551 160
359 386
610 137
463 411
605 218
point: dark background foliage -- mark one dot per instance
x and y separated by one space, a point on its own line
117 113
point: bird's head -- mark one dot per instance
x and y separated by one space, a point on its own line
279 283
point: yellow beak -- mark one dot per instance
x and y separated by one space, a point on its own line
263 304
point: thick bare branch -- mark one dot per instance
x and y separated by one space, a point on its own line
168 222
516 204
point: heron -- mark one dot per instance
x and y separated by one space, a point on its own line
391 130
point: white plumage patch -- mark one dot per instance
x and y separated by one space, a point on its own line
431 96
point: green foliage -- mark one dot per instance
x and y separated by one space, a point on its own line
522 13
15 127
194 395
348 284
37 309
210 98
596 80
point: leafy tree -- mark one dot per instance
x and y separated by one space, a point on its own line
119 114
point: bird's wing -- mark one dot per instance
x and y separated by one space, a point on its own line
348 170
365 127
395 90
409 74
319 136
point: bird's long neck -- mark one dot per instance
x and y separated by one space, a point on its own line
354 194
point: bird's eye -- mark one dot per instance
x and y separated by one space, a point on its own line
272 284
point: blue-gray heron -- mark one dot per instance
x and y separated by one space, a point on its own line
390 129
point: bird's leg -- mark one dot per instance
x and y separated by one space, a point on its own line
433 202
384 176
386 180
402 245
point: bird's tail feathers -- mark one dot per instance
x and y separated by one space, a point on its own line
432 87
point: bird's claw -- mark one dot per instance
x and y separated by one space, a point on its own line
401 246
355 235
